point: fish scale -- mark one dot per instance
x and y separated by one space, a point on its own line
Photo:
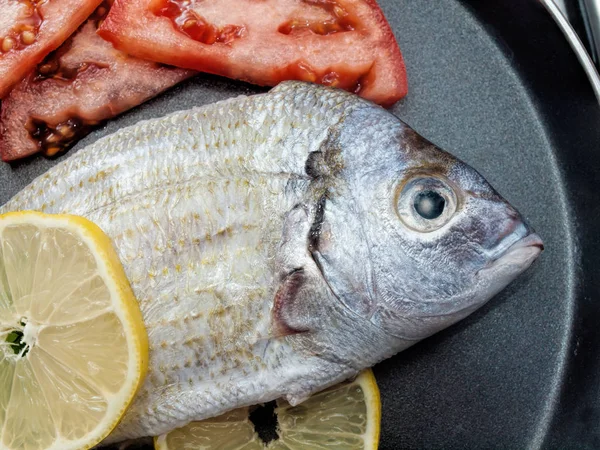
193 203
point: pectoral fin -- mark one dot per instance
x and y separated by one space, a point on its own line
286 309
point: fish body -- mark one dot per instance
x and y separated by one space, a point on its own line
280 243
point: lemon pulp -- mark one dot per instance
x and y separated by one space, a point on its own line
344 417
73 347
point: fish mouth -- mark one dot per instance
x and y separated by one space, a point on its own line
514 259
517 256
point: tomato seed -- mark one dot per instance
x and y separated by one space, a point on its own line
331 79
189 23
65 130
51 151
7 44
52 138
28 37
339 12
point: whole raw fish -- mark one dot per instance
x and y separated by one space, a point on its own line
280 243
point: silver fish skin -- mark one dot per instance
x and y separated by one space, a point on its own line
280 243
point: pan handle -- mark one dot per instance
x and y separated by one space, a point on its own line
591 13
575 42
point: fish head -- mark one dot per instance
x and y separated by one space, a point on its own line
407 236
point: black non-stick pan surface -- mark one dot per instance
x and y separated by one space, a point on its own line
496 84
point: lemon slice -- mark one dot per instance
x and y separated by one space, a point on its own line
73 347
344 417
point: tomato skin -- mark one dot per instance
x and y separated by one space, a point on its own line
83 83
58 20
267 41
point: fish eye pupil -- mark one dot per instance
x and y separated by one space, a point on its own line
429 204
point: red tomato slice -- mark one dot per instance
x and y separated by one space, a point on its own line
343 43
30 29
83 83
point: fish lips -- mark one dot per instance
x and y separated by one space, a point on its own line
510 263
522 252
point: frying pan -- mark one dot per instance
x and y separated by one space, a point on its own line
497 84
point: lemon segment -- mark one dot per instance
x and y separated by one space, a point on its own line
60 386
20 247
344 417
73 346
28 423
232 430
6 304
7 370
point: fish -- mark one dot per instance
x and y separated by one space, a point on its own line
282 242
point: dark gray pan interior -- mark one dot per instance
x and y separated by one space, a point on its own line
496 84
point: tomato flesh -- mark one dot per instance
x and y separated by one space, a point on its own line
83 83
342 43
194 26
26 27
341 20
31 29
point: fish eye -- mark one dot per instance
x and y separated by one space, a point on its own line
426 203
429 204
